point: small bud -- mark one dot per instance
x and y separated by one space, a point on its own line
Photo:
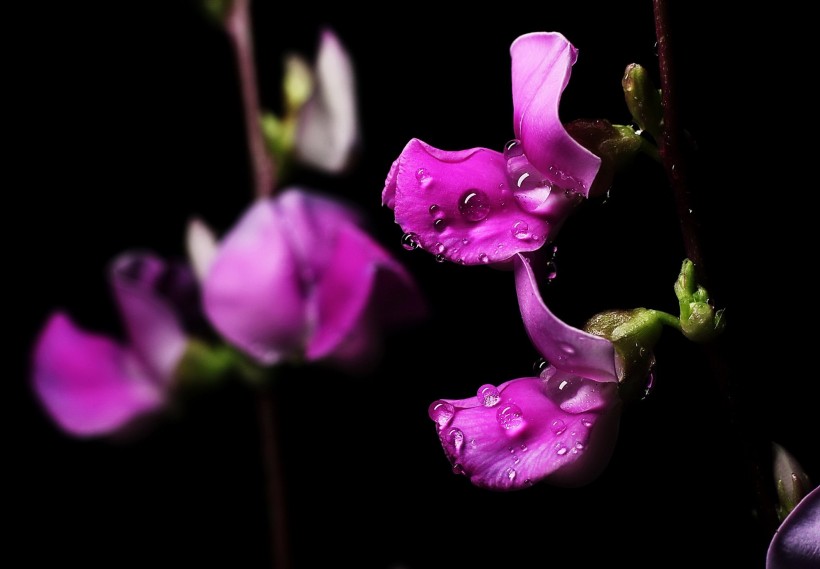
615 145
699 320
792 482
217 10
298 83
643 100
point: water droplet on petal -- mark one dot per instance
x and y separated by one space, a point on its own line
510 416
458 469
488 395
440 258
562 388
650 382
586 422
520 230
439 248
483 258
434 209
474 205
511 473
568 349
456 438
523 447
513 149
528 482
579 445
540 365
465 241
558 426
552 271
440 224
441 412
561 450
410 241
422 175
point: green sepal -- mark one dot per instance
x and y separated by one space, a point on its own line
699 321
643 100
205 365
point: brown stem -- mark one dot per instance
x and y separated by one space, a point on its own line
275 484
238 27
675 155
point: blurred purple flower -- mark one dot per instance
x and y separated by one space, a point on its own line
481 206
560 427
298 278
92 384
796 544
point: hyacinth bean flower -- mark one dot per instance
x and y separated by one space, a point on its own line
481 206
559 427
796 544
298 279
93 385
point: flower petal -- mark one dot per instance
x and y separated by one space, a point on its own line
149 315
328 124
796 544
459 205
567 348
521 434
89 384
253 293
201 245
541 65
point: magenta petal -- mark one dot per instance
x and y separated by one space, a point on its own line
88 383
541 65
796 544
519 434
567 348
389 191
253 293
151 320
459 205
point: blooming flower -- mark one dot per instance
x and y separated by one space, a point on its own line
297 277
796 544
481 206
560 427
92 384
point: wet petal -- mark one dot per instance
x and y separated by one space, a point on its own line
796 544
150 316
389 191
253 293
328 124
460 206
523 435
541 65
89 384
567 348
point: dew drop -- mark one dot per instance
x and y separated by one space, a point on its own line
439 247
434 209
456 438
523 447
440 224
552 271
528 482
511 474
513 149
561 450
558 426
458 469
483 258
510 416
465 241
568 349
586 422
540 365
410 241
422 175
562 388
474 205
520 230
441 412
440 258
579 445
488 395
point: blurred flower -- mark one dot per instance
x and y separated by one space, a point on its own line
92 384
560 427
481 206
298 278
796 543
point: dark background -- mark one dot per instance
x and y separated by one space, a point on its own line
131 123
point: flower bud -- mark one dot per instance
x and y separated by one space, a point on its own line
792 482
615 145
643 100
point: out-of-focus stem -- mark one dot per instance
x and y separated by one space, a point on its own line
238 27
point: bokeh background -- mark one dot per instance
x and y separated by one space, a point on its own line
132 123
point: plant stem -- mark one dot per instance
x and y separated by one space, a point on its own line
238 27
674 152
275 487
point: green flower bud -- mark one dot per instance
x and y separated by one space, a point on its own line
699 320
643 100
792 481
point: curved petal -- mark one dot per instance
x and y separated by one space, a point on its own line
149 315
89 384
567 348
389 191
541 65
520 433
253 293
328 125
459 205
796 544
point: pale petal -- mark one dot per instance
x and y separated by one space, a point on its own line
796 544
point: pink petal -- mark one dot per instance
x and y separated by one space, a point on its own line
88 383
519 433
459 205
151 320
541 65
253 293
567 348
328 125
796 544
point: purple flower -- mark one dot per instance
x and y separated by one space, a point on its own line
796 544
298 278
481 206
94 385
560 427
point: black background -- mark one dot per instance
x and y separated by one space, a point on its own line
130 123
